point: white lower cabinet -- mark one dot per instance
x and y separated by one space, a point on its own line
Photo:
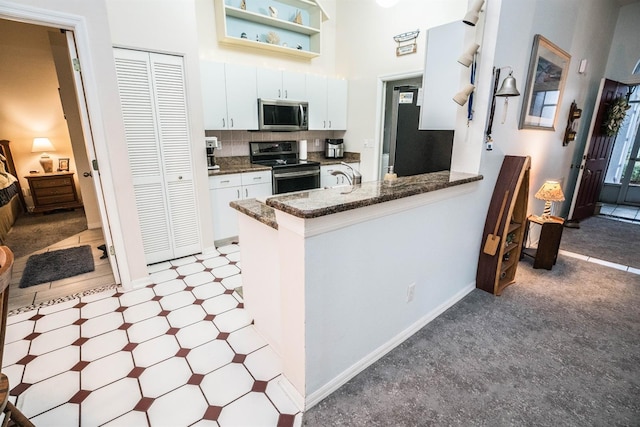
224 189
328 180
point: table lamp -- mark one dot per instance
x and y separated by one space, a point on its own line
42 145
549 192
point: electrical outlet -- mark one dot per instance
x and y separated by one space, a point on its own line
368 143
411 290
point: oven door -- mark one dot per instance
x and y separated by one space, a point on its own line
287 180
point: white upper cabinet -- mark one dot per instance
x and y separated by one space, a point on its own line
230 96
277 84
337 104
327 103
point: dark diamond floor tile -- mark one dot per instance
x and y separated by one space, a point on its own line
80 396
212 413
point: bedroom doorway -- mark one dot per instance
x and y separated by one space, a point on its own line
78 150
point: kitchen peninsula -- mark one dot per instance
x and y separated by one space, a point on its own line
335 278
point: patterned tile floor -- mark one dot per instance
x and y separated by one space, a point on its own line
180 352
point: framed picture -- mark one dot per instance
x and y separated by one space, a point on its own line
63 165
548 68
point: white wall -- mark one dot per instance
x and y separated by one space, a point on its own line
169 26
625 47
366 51
571 25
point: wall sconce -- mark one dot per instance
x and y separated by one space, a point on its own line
549 192
42 145
468 55
570 133
461 97
472 16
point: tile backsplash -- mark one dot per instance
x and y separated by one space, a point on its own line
236 142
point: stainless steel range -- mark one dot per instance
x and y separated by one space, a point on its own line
289 173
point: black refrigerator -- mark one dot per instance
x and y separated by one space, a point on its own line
413 151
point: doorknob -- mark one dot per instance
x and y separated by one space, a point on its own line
87 174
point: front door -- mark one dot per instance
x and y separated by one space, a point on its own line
598 151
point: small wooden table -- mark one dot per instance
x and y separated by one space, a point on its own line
546 254
51 191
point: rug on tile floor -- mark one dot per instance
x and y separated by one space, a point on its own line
56 265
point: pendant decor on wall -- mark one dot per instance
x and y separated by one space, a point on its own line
407 43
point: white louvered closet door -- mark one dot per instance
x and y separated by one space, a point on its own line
152 94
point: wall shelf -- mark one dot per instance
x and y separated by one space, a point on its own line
300 40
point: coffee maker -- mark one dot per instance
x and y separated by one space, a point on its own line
212 143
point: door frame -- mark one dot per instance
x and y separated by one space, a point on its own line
89 106
381 99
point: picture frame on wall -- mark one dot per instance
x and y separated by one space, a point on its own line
548 69
63 164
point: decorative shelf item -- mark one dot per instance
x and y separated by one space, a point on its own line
407 42
615 115
505 221
570 133
296 23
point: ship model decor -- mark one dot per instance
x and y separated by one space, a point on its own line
407 43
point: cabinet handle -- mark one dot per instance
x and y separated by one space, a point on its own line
180 177
224 124
286 93
324 123
279 93
231 122
329 124
238 192
257 178
226 181
246 192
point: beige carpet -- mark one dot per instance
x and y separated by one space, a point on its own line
33 232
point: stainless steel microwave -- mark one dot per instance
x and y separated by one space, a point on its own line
283 115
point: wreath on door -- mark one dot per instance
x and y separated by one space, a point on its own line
615 115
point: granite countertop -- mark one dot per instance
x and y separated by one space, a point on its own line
240 164
317 203
327 201
257 210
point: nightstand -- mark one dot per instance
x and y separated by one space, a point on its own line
51 191
546 254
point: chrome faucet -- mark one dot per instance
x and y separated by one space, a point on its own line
356 177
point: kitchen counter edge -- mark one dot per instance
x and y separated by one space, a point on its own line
332 200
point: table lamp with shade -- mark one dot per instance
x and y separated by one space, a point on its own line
42 145
549 192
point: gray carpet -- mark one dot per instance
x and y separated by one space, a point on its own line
558 348
606 239
56 265
31 233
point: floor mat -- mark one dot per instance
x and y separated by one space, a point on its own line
56 265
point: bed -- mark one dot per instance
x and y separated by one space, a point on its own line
12 201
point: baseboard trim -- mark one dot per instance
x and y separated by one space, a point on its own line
324 391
